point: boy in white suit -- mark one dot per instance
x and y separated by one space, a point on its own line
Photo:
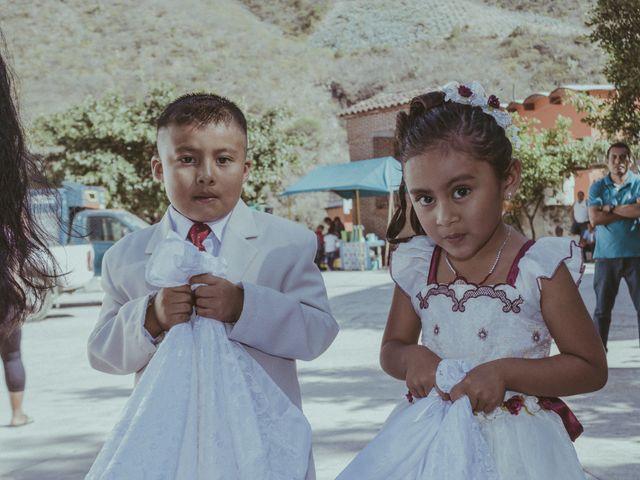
273 301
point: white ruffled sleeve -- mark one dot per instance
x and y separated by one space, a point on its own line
410 264
542 261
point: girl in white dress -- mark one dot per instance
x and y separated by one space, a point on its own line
482 387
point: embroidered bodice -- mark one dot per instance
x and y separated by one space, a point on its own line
475 323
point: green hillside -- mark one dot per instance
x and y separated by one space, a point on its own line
315 57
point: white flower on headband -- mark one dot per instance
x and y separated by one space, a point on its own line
473 94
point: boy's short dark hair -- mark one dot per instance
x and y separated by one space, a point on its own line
202 109
619 145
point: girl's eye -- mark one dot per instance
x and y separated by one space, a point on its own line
424 200
187 160
461 192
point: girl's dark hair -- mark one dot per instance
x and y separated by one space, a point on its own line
433 124
25 260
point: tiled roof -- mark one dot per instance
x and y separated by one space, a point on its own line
388 100
383 100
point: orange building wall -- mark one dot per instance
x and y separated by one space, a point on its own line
584 179
547 113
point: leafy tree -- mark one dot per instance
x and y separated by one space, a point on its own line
548 156
616 27
109 142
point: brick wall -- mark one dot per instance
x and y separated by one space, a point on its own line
363 127
370 135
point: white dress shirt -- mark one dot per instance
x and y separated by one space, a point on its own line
181 225
581 211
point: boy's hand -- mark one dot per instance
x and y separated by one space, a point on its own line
421 371
218 299
485 387
170 307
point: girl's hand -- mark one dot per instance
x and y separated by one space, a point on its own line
421 370
484 385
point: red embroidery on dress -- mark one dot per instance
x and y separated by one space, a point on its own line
439 290
458 305
483 334
515 305
535 337
436 329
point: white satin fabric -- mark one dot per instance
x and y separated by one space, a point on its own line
204 408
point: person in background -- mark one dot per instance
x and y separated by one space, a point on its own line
331 243
339 226
320 251
588 242
24 256
328 222
614 209
580 216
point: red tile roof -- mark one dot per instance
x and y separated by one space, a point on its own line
388 100
383 100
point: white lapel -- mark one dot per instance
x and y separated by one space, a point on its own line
237 249
159 234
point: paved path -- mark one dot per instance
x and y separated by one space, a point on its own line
346 395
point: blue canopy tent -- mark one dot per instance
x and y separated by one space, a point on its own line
364 178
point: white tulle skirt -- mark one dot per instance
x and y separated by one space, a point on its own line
436 439
531 446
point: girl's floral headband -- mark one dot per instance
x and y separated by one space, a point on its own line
473 94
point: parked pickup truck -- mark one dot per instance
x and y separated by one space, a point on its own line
103 228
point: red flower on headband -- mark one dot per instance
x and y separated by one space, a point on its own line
464 91
514 404
493 101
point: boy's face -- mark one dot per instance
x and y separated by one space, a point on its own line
202 168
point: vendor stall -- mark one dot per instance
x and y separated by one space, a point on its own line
364 178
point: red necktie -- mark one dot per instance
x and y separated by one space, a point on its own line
197 233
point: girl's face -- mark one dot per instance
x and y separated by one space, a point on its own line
457 199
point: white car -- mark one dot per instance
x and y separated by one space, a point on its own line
74 265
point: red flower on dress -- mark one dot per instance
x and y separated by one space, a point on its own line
514 404
493 101
464 91
409 397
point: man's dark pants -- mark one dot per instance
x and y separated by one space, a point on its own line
606 281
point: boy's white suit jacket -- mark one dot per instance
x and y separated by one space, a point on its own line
285 315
